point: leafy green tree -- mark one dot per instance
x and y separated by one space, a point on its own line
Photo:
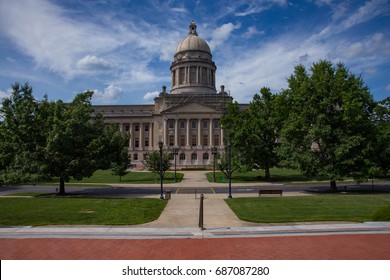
223 164
22 143
78 143
121 160
381 146
328 130
152 162
253 132
53 139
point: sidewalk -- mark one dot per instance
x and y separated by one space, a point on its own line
176 235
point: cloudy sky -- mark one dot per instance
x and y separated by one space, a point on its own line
122 49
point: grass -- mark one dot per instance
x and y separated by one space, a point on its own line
354 208
78 211
277 175
106 177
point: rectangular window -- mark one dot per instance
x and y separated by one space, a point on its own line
135 156
182 140
171 124
193 140
216 124
127 128
182 124
193 124
205 140
205 124
146 127
146 142
171 140
136 128
136 142
216 140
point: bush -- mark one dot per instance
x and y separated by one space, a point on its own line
383 214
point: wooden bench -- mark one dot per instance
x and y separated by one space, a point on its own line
280 192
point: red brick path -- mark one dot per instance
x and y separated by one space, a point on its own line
330 247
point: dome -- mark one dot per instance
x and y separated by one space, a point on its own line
193 42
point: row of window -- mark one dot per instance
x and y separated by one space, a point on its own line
182 156
194 124
171 125
182 141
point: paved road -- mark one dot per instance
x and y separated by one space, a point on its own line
131 190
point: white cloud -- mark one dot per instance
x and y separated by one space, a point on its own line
222 34
93 63
149 96
256 7
109 95
252 31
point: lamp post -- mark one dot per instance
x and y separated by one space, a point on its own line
175 151
214 152
230 170
160 145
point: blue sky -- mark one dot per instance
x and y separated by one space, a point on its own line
123 49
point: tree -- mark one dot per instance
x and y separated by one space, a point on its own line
78 143
328 129
53 139
253 132
121 159
152 162
381 146
223 164
22 141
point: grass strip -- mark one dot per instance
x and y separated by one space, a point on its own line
79 211
353 208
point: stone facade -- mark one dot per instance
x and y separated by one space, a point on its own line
186 119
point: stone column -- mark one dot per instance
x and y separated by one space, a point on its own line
131 136
176 140
211 133
164 139
188 133
222 144
151 136
199 132
141 136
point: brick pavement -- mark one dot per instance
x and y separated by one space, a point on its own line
308 247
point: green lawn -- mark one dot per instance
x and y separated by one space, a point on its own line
354 208
277 174
78 211
106 177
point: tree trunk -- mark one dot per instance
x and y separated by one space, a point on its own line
333 187
267 174
62 186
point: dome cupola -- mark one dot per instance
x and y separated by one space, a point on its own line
193 70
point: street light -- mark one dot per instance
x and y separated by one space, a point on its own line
230 170
160 145
175 151
214 152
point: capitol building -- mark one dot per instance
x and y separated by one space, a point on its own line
186 119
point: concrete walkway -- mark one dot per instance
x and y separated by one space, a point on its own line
182 210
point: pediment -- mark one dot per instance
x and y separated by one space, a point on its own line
191 107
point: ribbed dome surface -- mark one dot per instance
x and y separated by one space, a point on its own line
193 43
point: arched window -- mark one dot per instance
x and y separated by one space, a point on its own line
182 156
194 156
205 156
